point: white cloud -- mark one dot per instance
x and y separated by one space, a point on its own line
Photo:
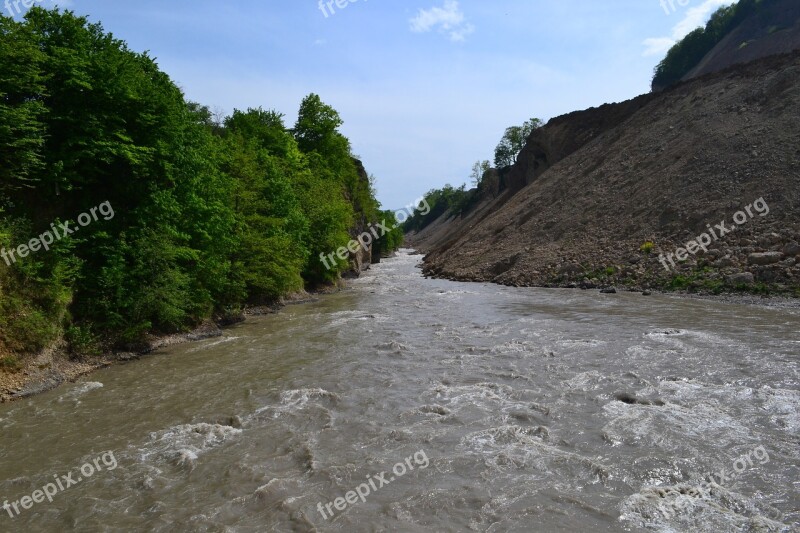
657 46
448 19
695 17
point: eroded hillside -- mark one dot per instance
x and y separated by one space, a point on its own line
591 189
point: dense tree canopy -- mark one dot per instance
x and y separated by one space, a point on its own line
209 215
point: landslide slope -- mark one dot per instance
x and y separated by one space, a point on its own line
592 187
775 29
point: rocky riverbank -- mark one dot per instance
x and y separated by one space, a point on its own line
762 265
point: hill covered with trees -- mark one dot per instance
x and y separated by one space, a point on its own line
200 216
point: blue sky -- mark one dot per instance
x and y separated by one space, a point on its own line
425 87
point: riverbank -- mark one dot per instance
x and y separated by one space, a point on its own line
611 281
700 284
53 366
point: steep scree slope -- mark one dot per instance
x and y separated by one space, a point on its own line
585 195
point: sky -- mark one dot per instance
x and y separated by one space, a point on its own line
425 87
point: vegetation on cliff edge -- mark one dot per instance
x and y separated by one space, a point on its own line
210 215
688 52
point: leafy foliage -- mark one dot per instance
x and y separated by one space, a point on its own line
21 107
513 142
210 214
394 239
459 200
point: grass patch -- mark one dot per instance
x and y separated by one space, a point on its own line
697 281
677 283
25 328
10 363
601 273
756 288
700 281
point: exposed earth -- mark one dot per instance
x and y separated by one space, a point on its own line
597 196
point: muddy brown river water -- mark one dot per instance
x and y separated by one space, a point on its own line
508 409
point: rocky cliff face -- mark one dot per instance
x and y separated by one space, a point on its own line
362 259
593 188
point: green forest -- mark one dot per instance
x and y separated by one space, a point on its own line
209 215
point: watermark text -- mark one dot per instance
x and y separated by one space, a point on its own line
60 484
58 232
703 241
374 482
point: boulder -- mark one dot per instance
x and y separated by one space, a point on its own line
766 258
570 269
725 262
791 249
769 239
743 278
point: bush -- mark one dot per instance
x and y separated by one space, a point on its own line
81 341
10 363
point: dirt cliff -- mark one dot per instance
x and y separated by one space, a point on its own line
602 197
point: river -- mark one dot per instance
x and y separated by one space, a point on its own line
508 409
